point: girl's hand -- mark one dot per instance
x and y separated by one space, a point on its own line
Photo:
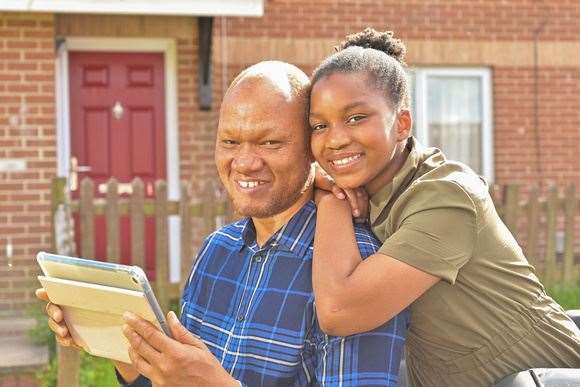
357 197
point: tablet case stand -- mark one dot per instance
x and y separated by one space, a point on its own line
94 314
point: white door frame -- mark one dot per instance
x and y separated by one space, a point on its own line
168 48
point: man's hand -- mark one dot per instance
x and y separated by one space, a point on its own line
182 361
56 321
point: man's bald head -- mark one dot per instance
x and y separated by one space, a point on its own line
286 79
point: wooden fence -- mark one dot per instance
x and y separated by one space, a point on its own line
546 227
200 209
537 221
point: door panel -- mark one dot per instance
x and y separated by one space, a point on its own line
118 130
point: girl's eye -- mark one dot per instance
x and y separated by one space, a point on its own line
355 118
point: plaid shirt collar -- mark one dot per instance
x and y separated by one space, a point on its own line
296 236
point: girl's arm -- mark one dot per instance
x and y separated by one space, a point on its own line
352 295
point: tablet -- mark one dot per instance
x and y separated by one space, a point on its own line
94 295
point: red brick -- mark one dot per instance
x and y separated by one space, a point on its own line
27 44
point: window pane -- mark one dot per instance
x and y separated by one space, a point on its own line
412 96
454 118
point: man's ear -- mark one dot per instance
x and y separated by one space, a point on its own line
404 124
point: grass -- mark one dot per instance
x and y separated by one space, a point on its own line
567 296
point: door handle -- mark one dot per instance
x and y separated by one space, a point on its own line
75 168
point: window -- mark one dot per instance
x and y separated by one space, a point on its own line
452 111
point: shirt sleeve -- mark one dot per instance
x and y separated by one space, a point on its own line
368 359
435 229
141 381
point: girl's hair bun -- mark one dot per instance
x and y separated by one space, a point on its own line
382 41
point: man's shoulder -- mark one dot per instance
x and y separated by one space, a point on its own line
231 232
365 238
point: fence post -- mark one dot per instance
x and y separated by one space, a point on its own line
56 198
87 218
209 209
161 246
533 220
138 223
112 218
511 207
569 275
550 256
186 236
69 360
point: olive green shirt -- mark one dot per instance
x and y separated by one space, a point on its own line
437 216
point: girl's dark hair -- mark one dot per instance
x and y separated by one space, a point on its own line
378 54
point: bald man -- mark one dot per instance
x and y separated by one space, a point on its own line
248 314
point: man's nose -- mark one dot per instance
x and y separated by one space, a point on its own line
246 161
338 137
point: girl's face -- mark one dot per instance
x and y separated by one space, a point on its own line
355 131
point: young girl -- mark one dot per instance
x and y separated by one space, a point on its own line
478 311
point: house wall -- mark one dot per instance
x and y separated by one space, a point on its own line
27 132
496 34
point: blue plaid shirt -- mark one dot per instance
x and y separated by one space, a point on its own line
254 308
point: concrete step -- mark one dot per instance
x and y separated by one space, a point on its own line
16 348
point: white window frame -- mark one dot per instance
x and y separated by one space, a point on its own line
421 112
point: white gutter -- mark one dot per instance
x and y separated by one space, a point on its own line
140 7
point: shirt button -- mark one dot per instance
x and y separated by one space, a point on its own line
241 318
258 258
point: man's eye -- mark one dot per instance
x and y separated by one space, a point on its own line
229 142
355 118
271 143
317 127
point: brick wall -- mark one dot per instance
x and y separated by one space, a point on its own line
493 20
27 127
558 132
495 34
27 132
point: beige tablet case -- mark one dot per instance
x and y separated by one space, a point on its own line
94 314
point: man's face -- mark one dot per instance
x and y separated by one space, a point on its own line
261 150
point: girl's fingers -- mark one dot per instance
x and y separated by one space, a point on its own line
322 180
353 201
338 192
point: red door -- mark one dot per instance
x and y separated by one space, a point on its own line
118 130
